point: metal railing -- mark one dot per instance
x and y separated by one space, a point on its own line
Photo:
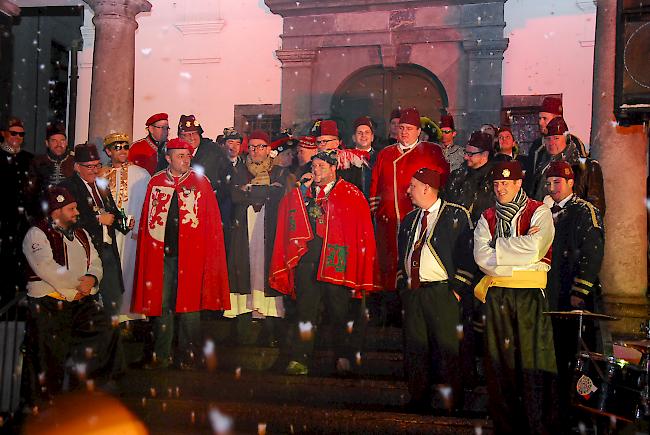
12 333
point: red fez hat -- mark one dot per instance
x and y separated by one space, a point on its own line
58 197
428 176
85 152
179 144
307 142
410 116
395 113
259 134
157 117
326 127
363 120
188 123
559 169
505 128
15 122
552 105
447 121
556 127
509 170
480 140
53 129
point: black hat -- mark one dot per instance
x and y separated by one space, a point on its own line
480 140
55 128
85 152
329 156
58 197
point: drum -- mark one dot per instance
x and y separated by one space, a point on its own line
608 386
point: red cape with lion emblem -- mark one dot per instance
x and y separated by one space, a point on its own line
202 271
348 253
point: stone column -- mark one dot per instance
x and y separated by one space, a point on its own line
485 59
622 154
296 85
111 93
9 8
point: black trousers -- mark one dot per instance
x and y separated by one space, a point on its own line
431 344
67 337
111 286
341 309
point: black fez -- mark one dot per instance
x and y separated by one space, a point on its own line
329 156
85 152
58 197
480 140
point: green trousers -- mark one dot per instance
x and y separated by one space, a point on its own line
520 364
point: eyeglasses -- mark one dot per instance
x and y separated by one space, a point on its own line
325 141
472 154
257 147
95 166
164 127
447 131
126 146
17 133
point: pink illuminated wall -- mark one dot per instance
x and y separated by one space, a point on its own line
551 51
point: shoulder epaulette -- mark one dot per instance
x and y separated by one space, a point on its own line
592 211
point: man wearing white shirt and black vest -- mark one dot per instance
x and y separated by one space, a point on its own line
66 323
435 270
512 246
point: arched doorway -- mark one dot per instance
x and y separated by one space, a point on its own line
375 91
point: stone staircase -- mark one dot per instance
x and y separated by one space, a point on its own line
248 392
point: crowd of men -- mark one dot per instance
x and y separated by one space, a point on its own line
465 245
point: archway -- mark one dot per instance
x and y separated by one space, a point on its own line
375 91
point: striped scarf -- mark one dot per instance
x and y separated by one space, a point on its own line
507 212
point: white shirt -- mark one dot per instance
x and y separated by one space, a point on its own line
430 268
406 148
55 277
519 252
550 203
327 188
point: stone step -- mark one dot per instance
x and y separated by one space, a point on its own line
246 385
176 416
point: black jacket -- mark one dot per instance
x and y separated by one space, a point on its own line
238 252
578 249
451 241
471 188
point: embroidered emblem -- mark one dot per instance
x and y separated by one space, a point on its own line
36 247
60 199
292 220
190 205
585 386
506 172
567 171
158 210
336 257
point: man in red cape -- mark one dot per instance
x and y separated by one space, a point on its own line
148 152
324 251
389 202
181 266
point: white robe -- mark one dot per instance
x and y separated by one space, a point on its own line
256 302
127 244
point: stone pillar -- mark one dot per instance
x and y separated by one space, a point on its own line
9 8
296 86
622 154
111 93
485 58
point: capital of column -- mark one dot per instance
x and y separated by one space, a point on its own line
488 48
9 8
124 9
389 56
296 57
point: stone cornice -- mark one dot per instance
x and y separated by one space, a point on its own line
293 8
489 45
119 8
200 27
296 57
9 8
